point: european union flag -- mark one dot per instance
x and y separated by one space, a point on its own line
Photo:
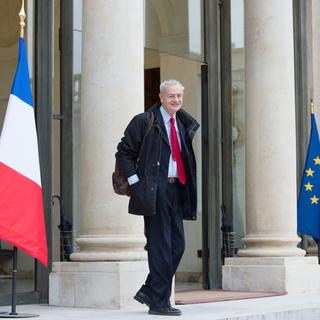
309 197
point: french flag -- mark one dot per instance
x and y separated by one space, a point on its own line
21 205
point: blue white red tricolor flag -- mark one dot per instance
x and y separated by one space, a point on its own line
21 205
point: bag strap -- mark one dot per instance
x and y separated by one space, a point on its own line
145 134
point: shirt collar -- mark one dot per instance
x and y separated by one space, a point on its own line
166 116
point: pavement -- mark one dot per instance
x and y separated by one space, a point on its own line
287 307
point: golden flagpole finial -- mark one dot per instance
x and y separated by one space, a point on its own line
311 106
22 15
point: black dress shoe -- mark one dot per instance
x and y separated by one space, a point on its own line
168 311
142 298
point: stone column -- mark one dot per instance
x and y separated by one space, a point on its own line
112 92
270 260
111 264
270 130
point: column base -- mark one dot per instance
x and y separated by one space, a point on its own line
110 248
108 285
286 274
271 246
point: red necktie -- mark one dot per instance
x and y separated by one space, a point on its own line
176 154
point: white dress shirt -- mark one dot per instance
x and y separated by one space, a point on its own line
172 166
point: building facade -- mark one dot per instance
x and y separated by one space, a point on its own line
249 68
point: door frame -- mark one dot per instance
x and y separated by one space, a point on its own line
211 149
43 107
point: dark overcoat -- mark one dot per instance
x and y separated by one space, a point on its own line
144 193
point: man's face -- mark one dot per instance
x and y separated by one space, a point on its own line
171 99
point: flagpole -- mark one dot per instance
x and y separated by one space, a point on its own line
22 15
13 313
311 106
14 282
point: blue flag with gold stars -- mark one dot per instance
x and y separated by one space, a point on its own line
309 197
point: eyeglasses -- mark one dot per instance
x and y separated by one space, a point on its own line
172 96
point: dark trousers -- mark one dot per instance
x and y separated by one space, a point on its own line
165 244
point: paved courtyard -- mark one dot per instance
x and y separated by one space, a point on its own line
288 307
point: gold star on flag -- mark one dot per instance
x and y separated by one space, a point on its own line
316 160
308 186
309 172
314 199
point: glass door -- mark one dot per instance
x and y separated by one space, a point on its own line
238 120
174 49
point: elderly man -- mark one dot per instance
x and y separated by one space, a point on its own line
163 188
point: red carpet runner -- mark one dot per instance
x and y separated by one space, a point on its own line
203 296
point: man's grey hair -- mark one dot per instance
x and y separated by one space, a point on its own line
171 82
